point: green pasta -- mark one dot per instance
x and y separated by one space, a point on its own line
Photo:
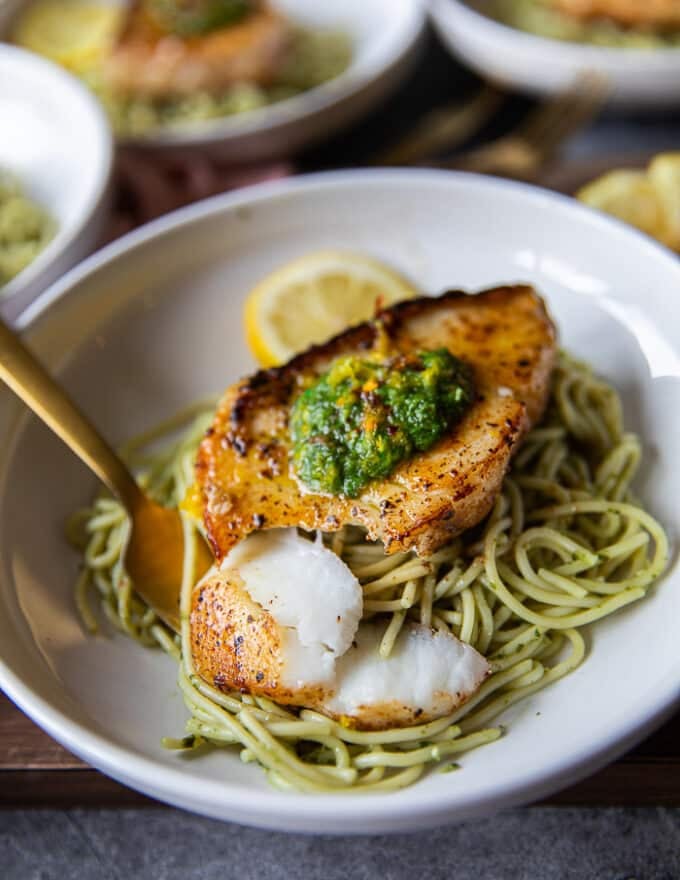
565 545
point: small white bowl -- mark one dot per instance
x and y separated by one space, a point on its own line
639 78
385 35
56 141
154 321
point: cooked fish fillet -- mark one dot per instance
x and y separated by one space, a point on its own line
243 469
280 618
148 62
630 13
427 675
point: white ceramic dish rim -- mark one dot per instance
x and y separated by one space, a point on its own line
663 58
277 810
64 238
264 119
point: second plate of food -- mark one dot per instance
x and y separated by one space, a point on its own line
522 653
543 47
242 79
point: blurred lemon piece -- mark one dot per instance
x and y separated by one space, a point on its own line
664 174
647 199
74 33
630 196
310 299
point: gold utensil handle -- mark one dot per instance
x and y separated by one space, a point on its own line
32 383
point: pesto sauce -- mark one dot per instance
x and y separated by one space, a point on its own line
191 18
364 416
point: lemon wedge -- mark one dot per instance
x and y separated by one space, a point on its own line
74 33
310 299
664 175
630 196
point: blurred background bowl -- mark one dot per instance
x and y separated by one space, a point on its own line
639 78
56 141
384 35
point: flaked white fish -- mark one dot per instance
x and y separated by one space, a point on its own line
281 618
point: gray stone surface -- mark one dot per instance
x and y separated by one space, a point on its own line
612 137
539 843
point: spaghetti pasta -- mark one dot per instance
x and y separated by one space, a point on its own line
565 545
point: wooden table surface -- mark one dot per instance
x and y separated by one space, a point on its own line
36 771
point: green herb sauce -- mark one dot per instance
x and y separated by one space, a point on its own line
364 416
191 18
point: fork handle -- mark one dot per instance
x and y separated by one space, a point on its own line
30 381
509 156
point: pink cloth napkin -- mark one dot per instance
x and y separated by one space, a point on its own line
147 185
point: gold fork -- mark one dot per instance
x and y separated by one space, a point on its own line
154 555
525 151
443 128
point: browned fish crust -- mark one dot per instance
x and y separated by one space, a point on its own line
236 644
243 470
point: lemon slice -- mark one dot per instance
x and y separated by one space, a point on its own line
74 33
314 297
664 175
630 196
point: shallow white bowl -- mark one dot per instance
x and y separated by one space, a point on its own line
55 139
540 66
154 321
385 35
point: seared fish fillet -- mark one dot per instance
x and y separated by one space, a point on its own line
629 13
148 62
243 470
281 619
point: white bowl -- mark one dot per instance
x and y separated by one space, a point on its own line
55 139
540 66
154 321
385 35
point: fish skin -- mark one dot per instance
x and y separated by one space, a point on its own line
243 473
